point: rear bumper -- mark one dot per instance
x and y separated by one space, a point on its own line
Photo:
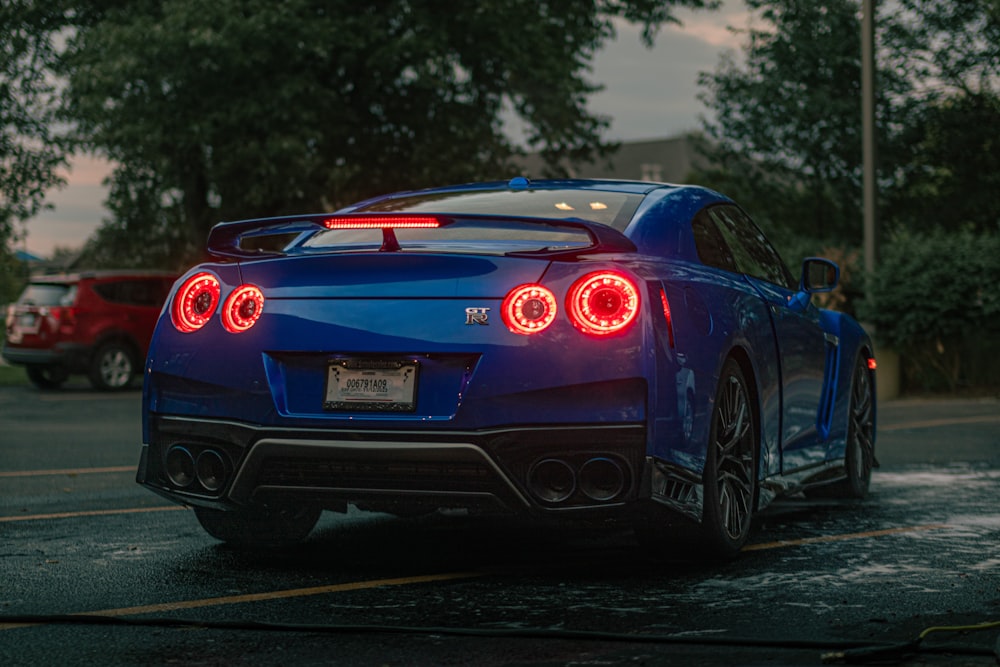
71 356
578 469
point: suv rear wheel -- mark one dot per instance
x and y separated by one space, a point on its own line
113 366
46 377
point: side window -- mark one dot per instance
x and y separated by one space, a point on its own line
110 292
754 254
132 292
711 246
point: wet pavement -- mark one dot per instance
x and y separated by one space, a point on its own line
77 536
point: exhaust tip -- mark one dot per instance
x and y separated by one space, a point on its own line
211 470
602 479
552 480
180 467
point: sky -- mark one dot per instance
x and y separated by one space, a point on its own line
648 94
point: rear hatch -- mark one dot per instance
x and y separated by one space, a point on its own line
34 320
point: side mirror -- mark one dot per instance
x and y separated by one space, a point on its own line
818 275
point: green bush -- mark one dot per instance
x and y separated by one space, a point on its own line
934 298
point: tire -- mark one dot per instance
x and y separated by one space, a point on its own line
113 367
259 528
729 483
730 477
46 377
859 454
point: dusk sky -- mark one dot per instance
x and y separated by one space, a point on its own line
649 94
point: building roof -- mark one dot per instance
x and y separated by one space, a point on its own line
667 160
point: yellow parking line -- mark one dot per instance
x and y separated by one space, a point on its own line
930 423
399 581
839 538
96 396
291 593
271 595
65 471
74 515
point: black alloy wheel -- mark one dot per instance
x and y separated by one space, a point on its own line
859 457
859 454
730 477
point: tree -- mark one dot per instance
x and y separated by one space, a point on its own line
785 137
31 152
786 134
951 174
241 108
945 165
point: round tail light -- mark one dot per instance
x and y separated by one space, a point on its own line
195 302
528 309
242 308
603 303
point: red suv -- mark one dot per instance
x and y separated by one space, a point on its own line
98 323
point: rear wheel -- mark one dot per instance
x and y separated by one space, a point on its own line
113 367
730 477
729 482
47 377
259 528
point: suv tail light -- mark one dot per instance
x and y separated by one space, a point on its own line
195 302
66 317
602 303
528 309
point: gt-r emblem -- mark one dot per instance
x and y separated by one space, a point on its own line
477 316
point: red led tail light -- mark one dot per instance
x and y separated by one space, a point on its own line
195 302
528 309
603 303
242 308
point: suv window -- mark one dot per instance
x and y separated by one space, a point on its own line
41 294
753 254
133 292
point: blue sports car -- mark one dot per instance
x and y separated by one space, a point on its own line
561 348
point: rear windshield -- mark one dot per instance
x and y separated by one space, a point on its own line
479 237
47 294
614 209
493 236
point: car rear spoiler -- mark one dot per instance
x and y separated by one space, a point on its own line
246 239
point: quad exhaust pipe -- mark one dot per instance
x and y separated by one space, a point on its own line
206 471
554 481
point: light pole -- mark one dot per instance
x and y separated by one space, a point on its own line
868 131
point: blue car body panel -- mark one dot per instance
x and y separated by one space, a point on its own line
500 402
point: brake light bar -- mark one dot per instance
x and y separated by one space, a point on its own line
382 222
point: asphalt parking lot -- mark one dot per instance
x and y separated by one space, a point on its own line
78 537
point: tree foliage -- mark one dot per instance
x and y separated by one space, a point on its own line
944 166
245 108
31 150
785 138
787 125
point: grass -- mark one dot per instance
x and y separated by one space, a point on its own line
13 376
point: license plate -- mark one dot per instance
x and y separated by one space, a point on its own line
371 385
